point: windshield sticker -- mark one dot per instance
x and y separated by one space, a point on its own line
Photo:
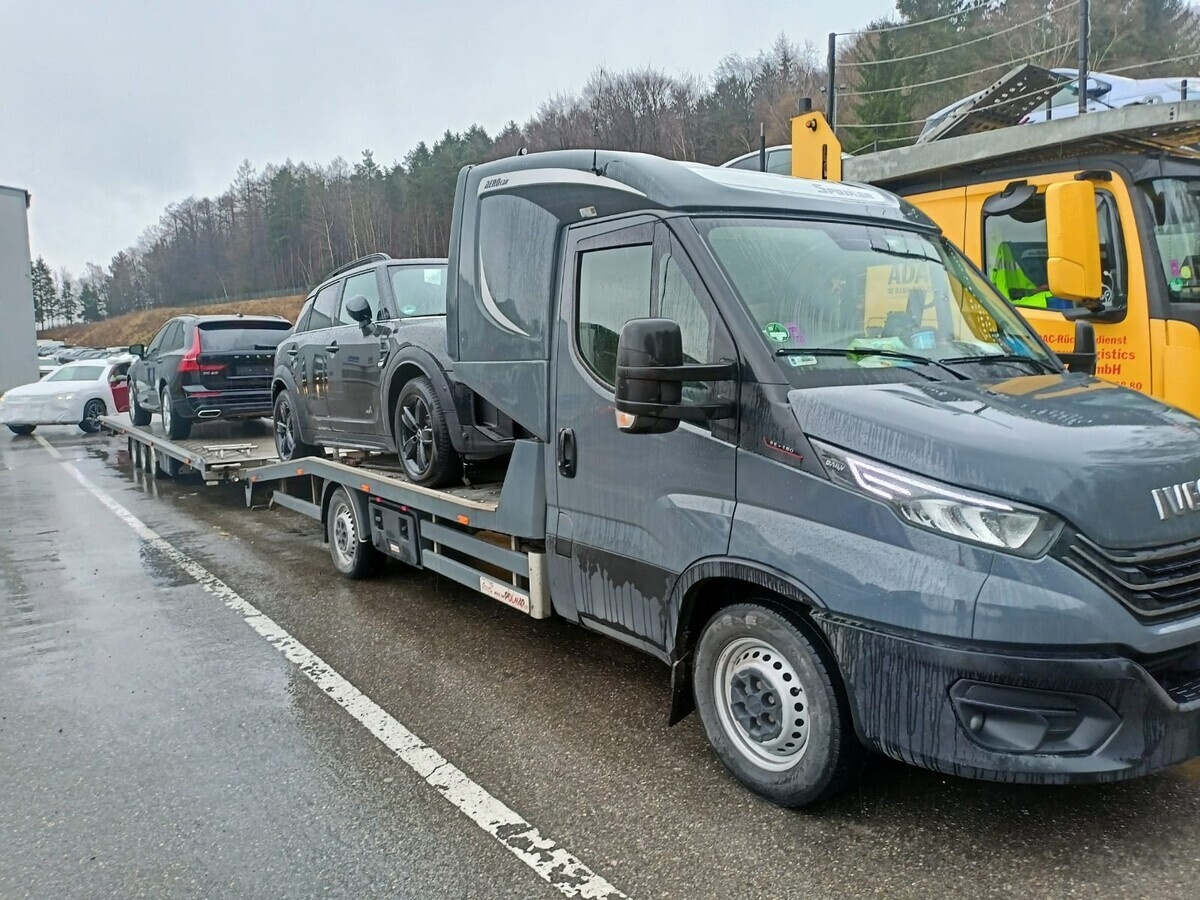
777 332
798 360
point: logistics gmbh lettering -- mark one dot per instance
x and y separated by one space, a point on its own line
1111 353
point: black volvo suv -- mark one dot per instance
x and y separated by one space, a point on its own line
367 369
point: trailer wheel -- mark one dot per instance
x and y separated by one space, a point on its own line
176 427
423 438
166 466
770 707
90 423
137 415
352 556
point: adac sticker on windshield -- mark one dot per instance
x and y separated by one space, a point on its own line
777 332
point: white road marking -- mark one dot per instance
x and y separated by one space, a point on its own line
552 862
47 446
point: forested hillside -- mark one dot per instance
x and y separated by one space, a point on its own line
279 228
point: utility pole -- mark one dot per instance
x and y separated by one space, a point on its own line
1083 56
831 89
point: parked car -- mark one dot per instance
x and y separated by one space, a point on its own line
367 369
1103 92
77 393
203 368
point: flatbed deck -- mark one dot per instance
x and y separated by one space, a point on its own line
217 451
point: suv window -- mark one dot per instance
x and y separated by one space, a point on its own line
225 337
1015 253
419 290
157 343
302 319
614 287
360 285
324 307
174 338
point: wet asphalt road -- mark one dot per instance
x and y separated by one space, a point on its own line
153 745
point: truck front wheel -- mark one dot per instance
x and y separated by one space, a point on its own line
353 556
771 708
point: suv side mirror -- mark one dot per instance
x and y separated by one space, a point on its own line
360 310
1073 242
650 377
138 350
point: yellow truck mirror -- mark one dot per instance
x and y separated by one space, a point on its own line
816 151
1072 241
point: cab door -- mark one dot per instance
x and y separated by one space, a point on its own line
631 512
1009 244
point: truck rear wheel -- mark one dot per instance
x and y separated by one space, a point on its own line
353 556
771 708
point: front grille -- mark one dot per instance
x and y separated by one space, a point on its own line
1154 583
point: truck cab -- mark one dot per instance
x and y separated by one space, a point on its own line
800 449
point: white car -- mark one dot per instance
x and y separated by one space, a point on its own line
77 393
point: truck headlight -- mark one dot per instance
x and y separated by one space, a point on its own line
960 513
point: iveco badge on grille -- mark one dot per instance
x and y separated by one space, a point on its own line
1177 499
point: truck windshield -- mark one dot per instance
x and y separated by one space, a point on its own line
1176 206
854 296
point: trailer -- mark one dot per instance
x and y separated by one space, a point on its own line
216 458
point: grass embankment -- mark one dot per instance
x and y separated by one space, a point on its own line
141 326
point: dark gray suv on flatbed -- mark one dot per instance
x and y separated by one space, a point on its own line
366 369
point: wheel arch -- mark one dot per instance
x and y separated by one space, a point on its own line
711 585
414 363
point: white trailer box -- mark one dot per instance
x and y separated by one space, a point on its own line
18 337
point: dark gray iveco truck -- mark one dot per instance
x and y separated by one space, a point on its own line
799 449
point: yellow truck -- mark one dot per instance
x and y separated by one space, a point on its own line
1091 218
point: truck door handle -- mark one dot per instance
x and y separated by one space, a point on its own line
332 348
566 452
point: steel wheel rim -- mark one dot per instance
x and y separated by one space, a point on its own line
762 704
165 402
345 534
416 436
285 438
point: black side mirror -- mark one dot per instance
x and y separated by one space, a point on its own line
650 377
359 310
138 350
1083 357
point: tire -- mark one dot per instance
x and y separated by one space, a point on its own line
177 428
751 663
289 441
22 430
92 411
166 466
423 438
352 557
137 415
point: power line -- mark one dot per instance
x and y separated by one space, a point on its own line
904 25
1153 62
986 37
908 87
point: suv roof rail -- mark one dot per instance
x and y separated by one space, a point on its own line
361 261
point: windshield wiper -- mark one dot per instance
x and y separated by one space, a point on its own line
1041 364
871 351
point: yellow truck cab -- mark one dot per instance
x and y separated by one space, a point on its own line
1093 218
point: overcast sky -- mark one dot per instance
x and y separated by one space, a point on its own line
111 110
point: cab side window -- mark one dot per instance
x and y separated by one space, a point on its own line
613 287
1015 252
324 308
698 323
362 285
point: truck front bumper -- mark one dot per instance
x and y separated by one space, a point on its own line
1023 716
